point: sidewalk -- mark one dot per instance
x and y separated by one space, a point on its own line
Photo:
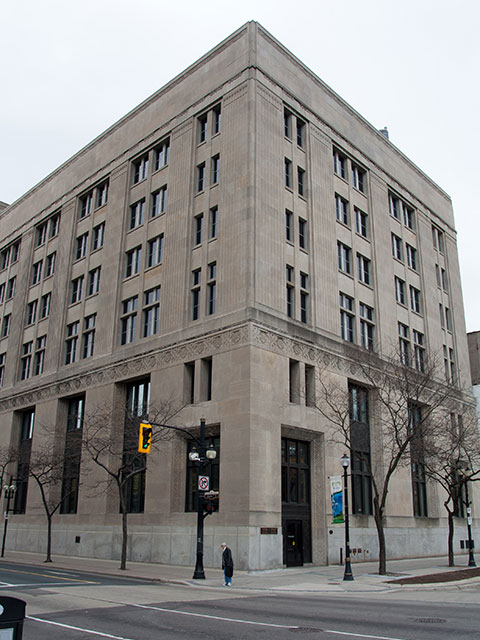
294 579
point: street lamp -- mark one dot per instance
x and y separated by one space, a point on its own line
9 494
200 455
471 559
348 575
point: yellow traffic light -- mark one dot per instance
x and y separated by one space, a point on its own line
145 437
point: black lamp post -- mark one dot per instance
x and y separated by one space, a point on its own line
9 494
200 457
348 575
471 559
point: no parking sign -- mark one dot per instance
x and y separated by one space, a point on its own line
203 483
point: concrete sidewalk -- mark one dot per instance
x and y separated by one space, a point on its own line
294 579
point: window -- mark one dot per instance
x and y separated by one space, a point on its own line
41 234
411 256
287 124
102 195
361 222
442 315
155 251
212 288
448 319
11 287
288 225
404 343
217 119
45 305
213 223
3 360
344 258
86 205
290 291
136 214
72 454
202 128
215 173
303 297
50 264
5 258
198 229
419 485
26 360
296 475
415 300
301 181
360 450
151 312
2 292
288 173
453 375
438 239
54 225
189 382
158 202
400 290
88 338
196 280
444 280
93 281
394 206
81 246
36 272
339 164
408 216
140 169
133 260
6 324
358 178
138 398
39 358
419 350
347 318
300 133
200 177
162 155
71 342
31 312
77 290
302 233
341 209
366 326
128 321
206 379
98 236
15 251
363 269
23 466
397 249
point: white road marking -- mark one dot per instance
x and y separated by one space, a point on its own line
68 626
40 585
7 584
204 615
359 635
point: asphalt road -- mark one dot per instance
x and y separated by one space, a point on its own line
67 605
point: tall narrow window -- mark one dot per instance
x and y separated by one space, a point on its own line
213 223
39 357
137 211
363 269
360 451
367 326
301 181
290 282
162 155
195 293
77 290
300 133
98 236
400 294
200 177
134 463
202 128
93 281
358 178
158 202
133 261
303 297
151 310
302 233
344 258
189 382
341 209
404 343
36 273
198 229
71 342
215 173
287 124
3 361
155 251
50 264
128 321
81 246
288 225
361 222
288 173
212 288
27 421
217 119
140 169
102 194
419 485
72 454
88 338
347 318
86 203
339 164
26 360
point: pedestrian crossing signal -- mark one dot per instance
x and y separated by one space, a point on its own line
144 438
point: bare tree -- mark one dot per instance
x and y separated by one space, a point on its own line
402 399
46 466
117 453
451 457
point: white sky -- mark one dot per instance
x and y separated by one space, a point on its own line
68 70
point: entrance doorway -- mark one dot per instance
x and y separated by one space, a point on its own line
296 519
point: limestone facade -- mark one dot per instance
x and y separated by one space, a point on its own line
202 244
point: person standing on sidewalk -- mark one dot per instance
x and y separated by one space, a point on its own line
227 564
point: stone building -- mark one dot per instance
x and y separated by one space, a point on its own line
474 353
236 232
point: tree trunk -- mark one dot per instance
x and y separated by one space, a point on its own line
123 561
451 529
382 550
49 538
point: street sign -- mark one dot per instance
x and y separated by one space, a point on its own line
203 483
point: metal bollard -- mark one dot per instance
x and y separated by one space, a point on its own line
12 615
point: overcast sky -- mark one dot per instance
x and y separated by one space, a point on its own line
68 70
